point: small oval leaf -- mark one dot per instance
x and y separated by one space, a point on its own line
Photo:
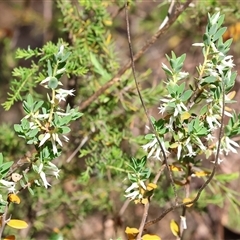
151 186
150 237
53 83
185 200
174 168
185 116
18 224
174 228
13 198
131 230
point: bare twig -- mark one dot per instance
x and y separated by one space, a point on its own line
147 205
117 12
124 207
84 140
3 220
169 13
146 46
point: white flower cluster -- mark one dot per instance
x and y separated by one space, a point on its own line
191 137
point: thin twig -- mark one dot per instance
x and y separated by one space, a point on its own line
124 207
3 220
84 140
146 46
117 12
147 205
166 19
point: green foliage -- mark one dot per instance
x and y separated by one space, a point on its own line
185 134
4 167
88 56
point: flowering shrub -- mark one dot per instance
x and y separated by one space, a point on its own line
191 116
188 133
44 126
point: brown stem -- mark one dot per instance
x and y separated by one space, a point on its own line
3 220
147 205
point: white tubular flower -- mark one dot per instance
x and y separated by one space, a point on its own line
210 138
56 138
154 147
230 146
211 120
179 150
65 138
54 146
191 153
162 109
52 169
61 49
46 80
44 139
133 194
149 145
143 185
179 109
200 144
44 179
9 185
182 75
198 44
63 93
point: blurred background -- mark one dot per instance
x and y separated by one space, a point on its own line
96 209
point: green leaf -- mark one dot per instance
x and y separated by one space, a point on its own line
219 33
4 168
37 105
49 68
209 79
213 29
65 56
53 83
65 130
220 21
206 39
229 82
32 133
224 178
31 191
56 236
17 128
181 88
29 100
203 110
149 136
1 158
186 95
98 68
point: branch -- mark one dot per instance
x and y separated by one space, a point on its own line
146 46
210 177
165 162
